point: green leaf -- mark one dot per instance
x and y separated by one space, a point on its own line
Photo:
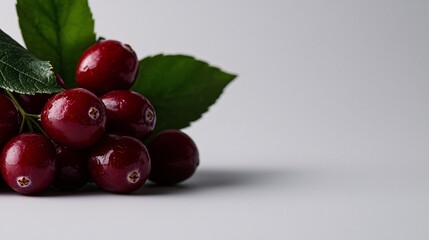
22 72
180 87
58 31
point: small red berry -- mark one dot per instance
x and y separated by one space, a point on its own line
174 157
119 164
27 163
72 168
10 119
75 118
106 66
129 113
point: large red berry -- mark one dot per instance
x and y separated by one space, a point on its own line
72 168
129 113
27 163
106 66
34 103
174 157
75 118
10 119
119 164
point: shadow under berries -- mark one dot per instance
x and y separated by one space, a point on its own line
214 179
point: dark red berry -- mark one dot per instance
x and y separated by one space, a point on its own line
34 103
75 118
10 119
72 168
119 164
174 157
106 66
27 163
2 182
129 113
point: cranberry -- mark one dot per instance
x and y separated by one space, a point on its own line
27 163
107 65
34 103
174 157
10 119
129 113
75 118
119 164
72 168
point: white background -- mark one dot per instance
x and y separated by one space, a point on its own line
324 135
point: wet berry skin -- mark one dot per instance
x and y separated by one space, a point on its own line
10 119
106 66
27 163
34 103
119 164
72 168
74 118
174 157
129 113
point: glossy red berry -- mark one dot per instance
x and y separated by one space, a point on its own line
27 163
119 164
34 103
10 119
129 113
72 168
75 118
107 65
174 157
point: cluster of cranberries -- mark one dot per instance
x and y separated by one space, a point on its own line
91 133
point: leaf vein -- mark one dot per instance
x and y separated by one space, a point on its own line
20 72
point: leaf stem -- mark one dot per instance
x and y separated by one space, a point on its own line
30 127
33 115
37 125
20 109
21 127
32 120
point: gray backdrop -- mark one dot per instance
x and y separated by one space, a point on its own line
324 135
